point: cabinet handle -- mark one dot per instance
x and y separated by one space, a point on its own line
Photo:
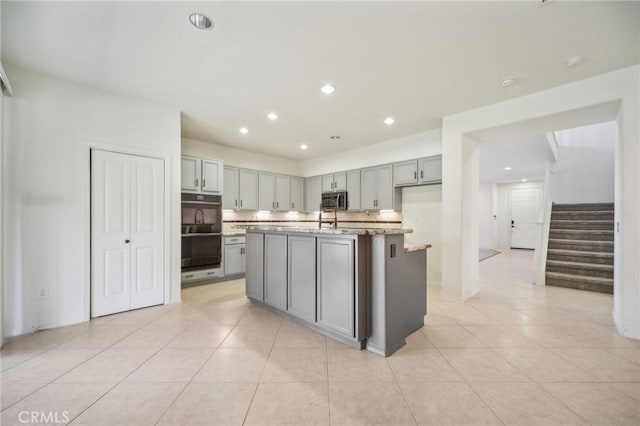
273 204
127 241
240 203
211 273
196 183
278 204
415 175
421 174
204 183
293 205
189 276
236 203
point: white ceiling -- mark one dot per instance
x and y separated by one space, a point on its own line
415 61
527 157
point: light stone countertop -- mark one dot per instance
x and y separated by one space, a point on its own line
409 247
325 231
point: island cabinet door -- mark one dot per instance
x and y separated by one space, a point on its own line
302 277
336 285
255 266
275 270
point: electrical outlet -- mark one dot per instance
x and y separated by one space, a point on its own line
43 293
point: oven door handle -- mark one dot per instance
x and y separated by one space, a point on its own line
202 234
207 203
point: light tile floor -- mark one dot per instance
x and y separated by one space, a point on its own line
514 354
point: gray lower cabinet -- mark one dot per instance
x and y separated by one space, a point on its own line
255 266
336 285
275 270
301 295
234 259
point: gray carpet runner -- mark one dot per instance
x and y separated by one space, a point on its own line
580 253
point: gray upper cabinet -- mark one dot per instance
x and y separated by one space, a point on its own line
212 176
275 270
283 193
201 175
384 188
297 194
334 182
377 188
353 190
190 174
431 169
266 191
301 295
336 285
405 173
313 193
231 194
368 189
255 266
248 190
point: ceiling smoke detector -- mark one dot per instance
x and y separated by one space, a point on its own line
200 21
507 81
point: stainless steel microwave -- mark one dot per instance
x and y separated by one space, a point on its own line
335 200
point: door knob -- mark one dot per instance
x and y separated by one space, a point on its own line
127 241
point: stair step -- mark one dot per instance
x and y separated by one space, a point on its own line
579 234
580 256
604 225
581 245
601 285
578 268
583 215
583 207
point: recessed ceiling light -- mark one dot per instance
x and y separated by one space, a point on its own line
574 60
328 89
507 81
244 130
335 137
303 146
200 21
389 121
272 116
524 180
507 168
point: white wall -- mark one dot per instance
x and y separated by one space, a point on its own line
485 215
585 170
460 180
503 223
51 126
422 212
407 148
240 158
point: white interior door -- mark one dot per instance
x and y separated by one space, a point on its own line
147 236
524 212
127 232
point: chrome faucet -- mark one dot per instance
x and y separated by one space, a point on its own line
335 215
195 217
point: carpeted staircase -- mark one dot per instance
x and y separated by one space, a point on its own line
580 252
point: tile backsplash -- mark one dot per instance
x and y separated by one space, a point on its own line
345 219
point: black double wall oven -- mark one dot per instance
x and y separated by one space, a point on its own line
201 232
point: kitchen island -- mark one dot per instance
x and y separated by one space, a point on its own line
362 287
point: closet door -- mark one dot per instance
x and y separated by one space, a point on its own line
147 232
127 232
